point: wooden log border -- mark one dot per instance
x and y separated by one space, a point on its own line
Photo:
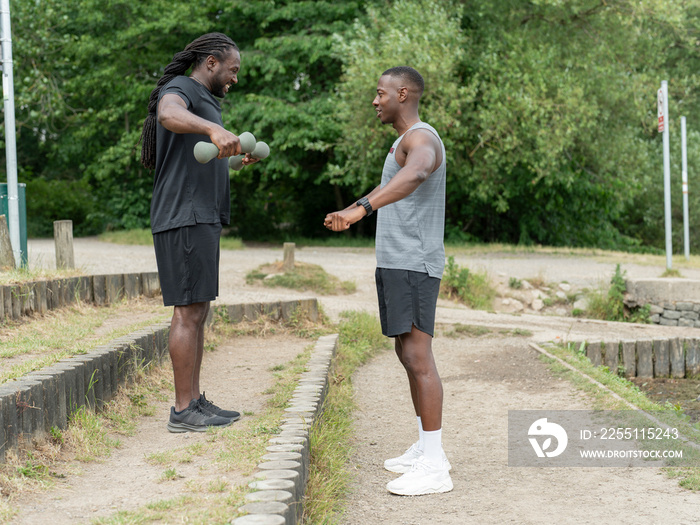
31 405
675 357
38 297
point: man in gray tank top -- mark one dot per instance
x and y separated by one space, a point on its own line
410 204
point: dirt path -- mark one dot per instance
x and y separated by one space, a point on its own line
236 374
483 378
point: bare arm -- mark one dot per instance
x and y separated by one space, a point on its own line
174 116
422 151
422 154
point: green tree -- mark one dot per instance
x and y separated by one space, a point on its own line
288 76
549 109
85 71
88 68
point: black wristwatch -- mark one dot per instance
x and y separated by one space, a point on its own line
364 201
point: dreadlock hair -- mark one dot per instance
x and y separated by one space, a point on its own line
215 44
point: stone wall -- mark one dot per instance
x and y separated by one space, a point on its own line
672 302
682 313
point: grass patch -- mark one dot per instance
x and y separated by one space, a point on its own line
471 288
329 476
24 275
610 306
87 432
671 273
144 237
299 324
466 330
521 332
304 276
170 474
31 344
137 237
344 240
462 330
515 283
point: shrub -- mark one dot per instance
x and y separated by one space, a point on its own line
611 306
473 289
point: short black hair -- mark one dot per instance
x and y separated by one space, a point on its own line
408 74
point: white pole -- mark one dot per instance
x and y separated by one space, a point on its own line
667 176
684 174
10 131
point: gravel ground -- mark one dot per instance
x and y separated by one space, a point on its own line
483 378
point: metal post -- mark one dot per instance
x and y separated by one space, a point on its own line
667 176
10 131
684 175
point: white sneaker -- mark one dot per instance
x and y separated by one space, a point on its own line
423 478
403 463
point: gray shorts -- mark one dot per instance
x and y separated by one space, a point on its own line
188 263
406 298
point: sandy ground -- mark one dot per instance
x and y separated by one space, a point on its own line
483 378
235 376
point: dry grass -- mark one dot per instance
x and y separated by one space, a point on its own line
34 342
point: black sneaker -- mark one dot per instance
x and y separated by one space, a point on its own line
194 419
214 410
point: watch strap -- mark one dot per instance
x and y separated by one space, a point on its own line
364 202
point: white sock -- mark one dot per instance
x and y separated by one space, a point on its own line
433 446
421 440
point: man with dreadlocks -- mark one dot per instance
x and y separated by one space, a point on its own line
191 202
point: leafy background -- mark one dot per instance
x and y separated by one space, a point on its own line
547 109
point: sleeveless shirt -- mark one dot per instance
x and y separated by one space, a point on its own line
410 232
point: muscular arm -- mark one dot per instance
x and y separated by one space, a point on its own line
422 151
174 116
423 156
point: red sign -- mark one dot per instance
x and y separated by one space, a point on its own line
660 110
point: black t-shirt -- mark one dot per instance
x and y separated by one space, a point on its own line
186 192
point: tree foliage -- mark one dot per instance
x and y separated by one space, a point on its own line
550 121
547 109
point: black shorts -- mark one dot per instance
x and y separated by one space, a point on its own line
406 298
188 263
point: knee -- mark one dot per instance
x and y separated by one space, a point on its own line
416 365
193 315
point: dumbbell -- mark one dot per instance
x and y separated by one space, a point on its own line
206 151
261 151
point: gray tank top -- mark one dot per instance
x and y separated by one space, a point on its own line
410 232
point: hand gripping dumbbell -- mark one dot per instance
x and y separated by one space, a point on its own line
260 152
206 151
